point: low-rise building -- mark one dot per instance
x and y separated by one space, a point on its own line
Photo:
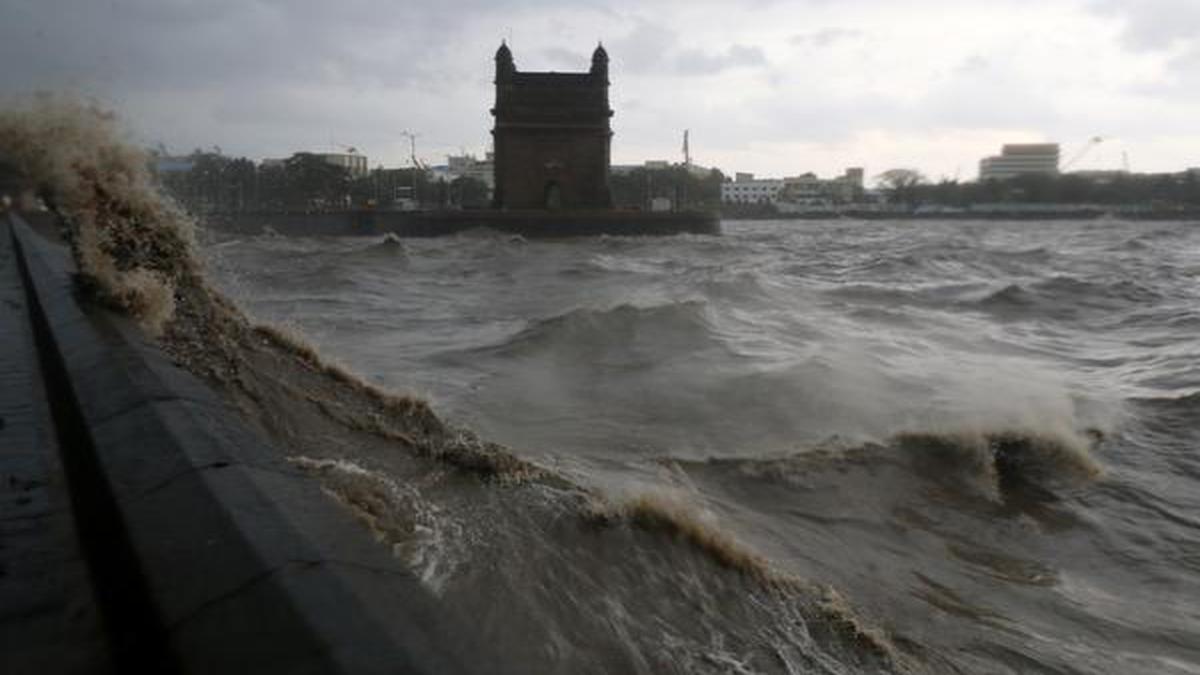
745 189
469 166
657 165
807 189
353 162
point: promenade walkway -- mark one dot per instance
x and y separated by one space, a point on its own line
48 617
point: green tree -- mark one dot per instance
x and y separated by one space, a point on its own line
312 183
469 193
901 185
687 190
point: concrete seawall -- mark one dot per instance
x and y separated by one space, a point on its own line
182 542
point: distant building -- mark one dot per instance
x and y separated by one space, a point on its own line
353 162
1020 159
552 136
468 166
806 189
658 165
744 189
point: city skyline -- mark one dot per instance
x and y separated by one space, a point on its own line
773 88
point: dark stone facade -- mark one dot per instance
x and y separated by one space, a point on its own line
552 137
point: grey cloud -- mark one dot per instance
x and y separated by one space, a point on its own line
567 58
826 37
699 62
269 76
644 48
1159 26
145 45
979 93
1152 25
975 94
973 65
1182 82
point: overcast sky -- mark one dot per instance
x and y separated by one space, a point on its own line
768 86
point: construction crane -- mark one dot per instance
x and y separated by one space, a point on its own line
1082 152
412 149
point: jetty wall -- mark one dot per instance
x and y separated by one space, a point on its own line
541 224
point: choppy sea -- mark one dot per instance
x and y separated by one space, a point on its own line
984 435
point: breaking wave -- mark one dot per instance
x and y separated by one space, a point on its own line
416 530
988 464
1008 457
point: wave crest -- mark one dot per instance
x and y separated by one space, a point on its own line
1062 294
657 512
1007 457
673 325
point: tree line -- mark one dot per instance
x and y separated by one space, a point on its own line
635 189
210 182
215 183
908 187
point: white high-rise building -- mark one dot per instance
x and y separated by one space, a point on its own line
1017 159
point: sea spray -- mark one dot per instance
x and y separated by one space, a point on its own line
131 246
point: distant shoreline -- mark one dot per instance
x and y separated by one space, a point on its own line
1189 215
